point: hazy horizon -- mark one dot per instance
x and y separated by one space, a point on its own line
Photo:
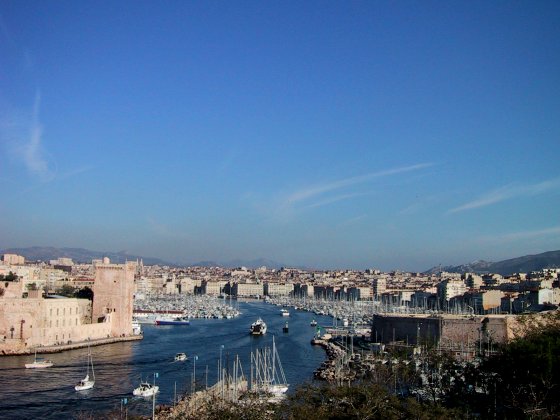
390 135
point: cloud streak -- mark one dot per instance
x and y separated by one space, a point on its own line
32 151
528 234
314 191
508 192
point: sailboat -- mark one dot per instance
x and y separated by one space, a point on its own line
38 363
267 375
87 383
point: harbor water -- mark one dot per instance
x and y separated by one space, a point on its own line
49 393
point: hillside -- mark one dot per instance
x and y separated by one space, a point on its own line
79 255
527 263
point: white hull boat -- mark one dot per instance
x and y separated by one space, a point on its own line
39 363
145 390
87 383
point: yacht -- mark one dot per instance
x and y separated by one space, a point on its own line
180 357
258 327
145 389
38 363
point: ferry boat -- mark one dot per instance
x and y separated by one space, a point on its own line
172 321
39 363
145 389
258 327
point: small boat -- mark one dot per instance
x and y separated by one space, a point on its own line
136 327
285 328
172 321
345 322
87 383
313 323
180 357
258 327
145 389
285 312
38 363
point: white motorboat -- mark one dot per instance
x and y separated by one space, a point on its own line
180 357
313 323
87 383
258 327
145 389
38 363
285 312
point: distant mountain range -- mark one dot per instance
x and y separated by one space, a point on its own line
525 264
81 255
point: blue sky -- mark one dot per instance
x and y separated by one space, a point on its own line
396 135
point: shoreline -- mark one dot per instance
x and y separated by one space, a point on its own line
65 347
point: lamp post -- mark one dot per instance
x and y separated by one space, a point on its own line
156 375
221 372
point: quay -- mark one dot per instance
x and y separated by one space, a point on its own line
57 348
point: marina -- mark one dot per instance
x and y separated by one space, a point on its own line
120 367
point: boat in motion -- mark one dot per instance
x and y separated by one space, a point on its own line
39 363
145 389
173 321
180 357
258 327
87 383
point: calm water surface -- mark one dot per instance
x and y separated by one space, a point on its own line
49 393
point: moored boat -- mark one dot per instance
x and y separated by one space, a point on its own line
313 323
172 321
285 312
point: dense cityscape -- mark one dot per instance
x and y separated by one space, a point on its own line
279 210
59 305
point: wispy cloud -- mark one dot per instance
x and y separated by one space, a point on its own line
352 220
508 192
316 190
528 234
33 153
23 137
334 199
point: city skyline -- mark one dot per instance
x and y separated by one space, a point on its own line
325 134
